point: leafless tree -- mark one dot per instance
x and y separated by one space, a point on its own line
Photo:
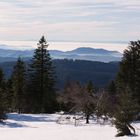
78 98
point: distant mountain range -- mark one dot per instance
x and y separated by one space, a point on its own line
82 53
99 73
91 54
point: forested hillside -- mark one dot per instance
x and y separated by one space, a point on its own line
79 70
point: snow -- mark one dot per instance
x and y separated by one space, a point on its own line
44 127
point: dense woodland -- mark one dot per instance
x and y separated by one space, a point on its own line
31 89
99 73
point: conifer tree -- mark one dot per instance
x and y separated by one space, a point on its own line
9 95
41 80
90 88
89 100
18 85
2 97
112 89
112 98
128 87
125 113
129 73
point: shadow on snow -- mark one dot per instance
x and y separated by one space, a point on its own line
17 120
12 125
31 118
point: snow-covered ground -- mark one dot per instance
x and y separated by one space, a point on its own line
44 127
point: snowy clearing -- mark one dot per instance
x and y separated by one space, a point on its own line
44 127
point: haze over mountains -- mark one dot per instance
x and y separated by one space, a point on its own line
70 70
82 53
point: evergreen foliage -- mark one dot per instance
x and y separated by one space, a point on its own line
89 100
111 88
126 112
18 86
128 87
2 97
41 93
9 95
76 70
129 73
112 98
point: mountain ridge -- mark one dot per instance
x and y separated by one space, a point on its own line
82 53
99 73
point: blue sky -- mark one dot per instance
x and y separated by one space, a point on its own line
70 20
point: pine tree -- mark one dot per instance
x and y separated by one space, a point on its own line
90 88
129 73
128 87
9 95
111 89
41 80
2 97
89 100
112 98
18 85
126 112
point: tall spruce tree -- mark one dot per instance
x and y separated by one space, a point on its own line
41 81
9 95
2 97
18 85
112 98
89 100
128 86
129 73
126 111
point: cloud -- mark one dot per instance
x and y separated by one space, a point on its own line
70 20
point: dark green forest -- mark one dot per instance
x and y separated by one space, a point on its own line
99 73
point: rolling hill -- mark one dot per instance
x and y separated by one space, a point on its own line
99 73
82 53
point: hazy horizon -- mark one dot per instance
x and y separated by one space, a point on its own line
70 20
64 46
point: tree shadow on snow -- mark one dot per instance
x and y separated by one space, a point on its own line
17 120
14 125
30 118
8 124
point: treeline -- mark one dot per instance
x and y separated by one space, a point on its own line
31 89
99 73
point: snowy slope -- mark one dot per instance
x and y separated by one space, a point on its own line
44 127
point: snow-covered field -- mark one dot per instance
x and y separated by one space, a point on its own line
44 127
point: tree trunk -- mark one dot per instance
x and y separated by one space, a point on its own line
19 111
132 128
87 119
125 131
